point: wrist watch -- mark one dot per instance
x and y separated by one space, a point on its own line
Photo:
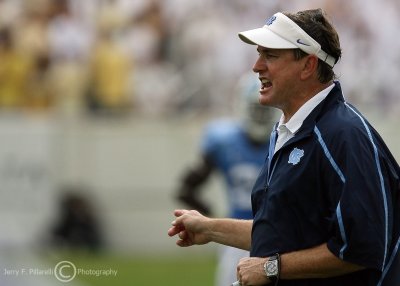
272 268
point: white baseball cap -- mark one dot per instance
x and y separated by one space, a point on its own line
280 32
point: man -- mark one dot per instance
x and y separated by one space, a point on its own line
326 204
236 149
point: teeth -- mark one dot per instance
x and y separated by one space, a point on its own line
265 81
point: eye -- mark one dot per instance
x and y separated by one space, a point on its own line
267 55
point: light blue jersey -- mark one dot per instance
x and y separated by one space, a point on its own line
239 161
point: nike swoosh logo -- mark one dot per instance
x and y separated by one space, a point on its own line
299 41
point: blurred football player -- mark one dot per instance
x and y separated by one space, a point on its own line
235 148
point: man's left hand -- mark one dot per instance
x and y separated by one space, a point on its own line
250 271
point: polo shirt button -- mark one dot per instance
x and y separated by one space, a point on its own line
265 188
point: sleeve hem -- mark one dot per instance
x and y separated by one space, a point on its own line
368 263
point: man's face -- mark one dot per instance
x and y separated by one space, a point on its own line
279 73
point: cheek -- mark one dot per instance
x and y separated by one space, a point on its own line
285 79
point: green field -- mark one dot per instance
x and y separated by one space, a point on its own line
153 271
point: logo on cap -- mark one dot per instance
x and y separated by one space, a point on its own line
299 41
270 20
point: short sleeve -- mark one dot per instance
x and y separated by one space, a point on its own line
362 217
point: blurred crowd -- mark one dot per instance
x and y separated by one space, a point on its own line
163 57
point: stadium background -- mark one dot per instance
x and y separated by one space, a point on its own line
107 99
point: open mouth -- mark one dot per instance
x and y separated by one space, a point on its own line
265 84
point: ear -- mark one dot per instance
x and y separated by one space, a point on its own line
310 67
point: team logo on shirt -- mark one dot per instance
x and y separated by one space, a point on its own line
295 156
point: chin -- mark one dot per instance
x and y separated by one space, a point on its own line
263 100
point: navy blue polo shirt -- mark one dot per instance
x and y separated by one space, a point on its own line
334 182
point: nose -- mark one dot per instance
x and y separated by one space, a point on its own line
259 65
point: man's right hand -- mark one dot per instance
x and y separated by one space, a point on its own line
191 227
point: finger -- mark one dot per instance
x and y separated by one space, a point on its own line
175 230
179 218
184 243
238 275
179 213
183 235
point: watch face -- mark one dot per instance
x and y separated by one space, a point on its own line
272 268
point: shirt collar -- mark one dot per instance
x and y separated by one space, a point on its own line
294 124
